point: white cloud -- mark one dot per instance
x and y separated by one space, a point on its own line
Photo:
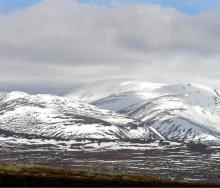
63 42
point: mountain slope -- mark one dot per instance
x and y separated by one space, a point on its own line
47 116
181 112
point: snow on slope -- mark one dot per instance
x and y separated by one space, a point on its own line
103 88
181 112
53 117
2 94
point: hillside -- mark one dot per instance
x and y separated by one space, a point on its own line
53 117
180 112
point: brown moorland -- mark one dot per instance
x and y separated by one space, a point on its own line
43 176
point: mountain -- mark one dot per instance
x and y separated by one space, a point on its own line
53 117
180 112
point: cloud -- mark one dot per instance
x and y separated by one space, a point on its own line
187 6
64 42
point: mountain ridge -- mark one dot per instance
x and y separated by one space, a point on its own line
50 116
179 112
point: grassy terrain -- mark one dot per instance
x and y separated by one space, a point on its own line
30 175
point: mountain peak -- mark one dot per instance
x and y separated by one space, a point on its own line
15 95
179 112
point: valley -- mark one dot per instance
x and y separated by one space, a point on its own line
166 131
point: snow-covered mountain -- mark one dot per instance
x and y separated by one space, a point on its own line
53 117
181 112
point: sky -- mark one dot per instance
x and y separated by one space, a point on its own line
52 45
187 6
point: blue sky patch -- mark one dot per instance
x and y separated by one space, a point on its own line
187 6
8 6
